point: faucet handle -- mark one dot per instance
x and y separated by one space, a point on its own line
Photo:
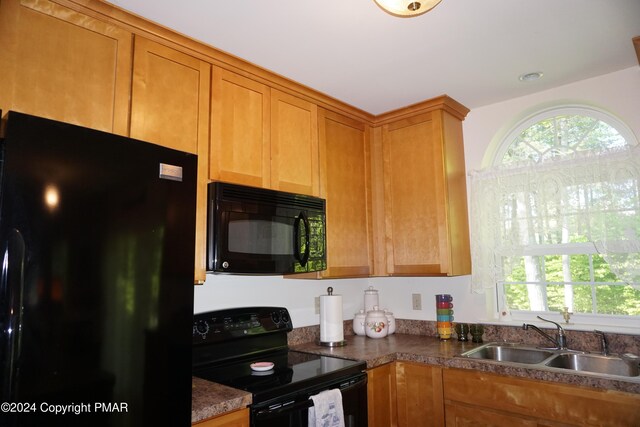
560 328
603 342
561 338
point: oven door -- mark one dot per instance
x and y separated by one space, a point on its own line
292 410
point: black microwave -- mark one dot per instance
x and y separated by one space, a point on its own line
258 231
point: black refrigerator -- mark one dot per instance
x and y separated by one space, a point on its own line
97 234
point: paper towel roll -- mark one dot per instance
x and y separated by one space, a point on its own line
331 326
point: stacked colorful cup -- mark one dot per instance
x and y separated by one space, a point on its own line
444 313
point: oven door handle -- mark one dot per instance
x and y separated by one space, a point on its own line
293 406
286 407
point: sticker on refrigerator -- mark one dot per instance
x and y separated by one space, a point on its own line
170 172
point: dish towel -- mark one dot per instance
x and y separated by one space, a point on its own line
327 409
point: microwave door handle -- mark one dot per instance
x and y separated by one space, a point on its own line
302 258
307 239
296 238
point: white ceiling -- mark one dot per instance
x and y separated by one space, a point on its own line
471 50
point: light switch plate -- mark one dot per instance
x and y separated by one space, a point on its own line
317 305
416 301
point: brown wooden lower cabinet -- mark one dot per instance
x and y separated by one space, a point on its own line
409 394
381 396
419 395
473 416
405 394
239 418
474 398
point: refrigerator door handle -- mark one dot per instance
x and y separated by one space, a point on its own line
11 301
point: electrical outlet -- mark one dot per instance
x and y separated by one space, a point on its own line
317 304
416 301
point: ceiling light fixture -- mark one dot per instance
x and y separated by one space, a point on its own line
529 77
407 9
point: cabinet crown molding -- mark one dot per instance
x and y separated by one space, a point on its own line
443 102
106 11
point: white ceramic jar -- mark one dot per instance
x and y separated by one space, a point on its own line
370 299
358 323
391 320
376 324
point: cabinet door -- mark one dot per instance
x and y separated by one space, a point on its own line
345 184
455 193
170 94
419 394
170 107
294 144
240 150
239 418
469 416
414 202
63 65
381 396
545 402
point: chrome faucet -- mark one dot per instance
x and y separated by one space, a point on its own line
560 341
604 342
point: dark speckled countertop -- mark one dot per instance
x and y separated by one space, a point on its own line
376 352
432 351
210 399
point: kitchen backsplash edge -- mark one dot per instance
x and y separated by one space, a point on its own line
577 340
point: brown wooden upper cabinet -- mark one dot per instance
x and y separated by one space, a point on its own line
395 184
170 107
240 125
345 182
294 144
64 65
261 136
425 201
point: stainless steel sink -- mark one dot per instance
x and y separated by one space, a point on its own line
556 360
509 353
608 365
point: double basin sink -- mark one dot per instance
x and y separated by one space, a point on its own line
618 366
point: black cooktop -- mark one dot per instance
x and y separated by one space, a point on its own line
292 371
227 342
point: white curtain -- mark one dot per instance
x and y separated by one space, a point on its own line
585 197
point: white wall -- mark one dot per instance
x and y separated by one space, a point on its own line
395 294
617 93
297 295
226 291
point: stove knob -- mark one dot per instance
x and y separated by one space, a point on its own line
275 316
202 327
285 317
225 264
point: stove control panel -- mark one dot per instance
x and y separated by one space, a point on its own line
222 325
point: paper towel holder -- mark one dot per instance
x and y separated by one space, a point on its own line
331 343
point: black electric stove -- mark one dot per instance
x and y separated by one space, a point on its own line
226 343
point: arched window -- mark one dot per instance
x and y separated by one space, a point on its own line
555 222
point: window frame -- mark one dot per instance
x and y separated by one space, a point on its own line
561 110
578 320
